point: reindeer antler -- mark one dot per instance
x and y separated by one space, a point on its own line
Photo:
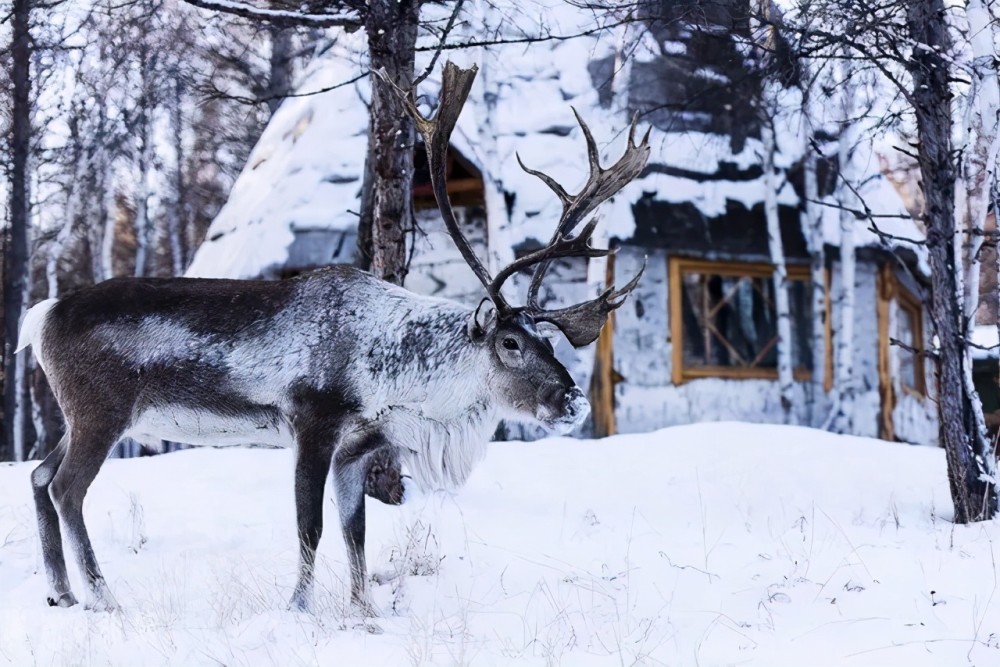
581 323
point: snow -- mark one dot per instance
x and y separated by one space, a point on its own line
709 544
985 338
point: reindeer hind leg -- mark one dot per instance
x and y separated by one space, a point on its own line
48 527
87 448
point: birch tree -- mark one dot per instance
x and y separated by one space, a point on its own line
910 43
981 143
842 415
769 110
16 250
786 383
812 230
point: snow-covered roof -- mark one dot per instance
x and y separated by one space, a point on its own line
889 215
305 172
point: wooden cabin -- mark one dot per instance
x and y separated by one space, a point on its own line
697 341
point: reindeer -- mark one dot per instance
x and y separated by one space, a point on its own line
335 362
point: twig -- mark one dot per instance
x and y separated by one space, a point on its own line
280 17
440 46
913 350
523 40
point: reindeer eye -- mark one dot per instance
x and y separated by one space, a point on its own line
510 343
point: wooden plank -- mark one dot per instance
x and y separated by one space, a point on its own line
675 289
887 397
740 373
602 382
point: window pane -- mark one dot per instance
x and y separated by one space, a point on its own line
730 321
800 308
905 329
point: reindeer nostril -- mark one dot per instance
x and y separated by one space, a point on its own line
573 399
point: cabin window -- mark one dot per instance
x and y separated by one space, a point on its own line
910 332
724 320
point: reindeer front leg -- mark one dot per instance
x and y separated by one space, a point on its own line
312 465
351 464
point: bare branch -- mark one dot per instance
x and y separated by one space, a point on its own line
280 17
532 39
444 37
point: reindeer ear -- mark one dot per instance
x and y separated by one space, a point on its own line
483 320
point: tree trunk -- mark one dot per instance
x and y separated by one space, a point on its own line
971 469
143 224
106 205
363 259
392 35
813 232
982 143
176 217
16 259
786 382
842 417
280 65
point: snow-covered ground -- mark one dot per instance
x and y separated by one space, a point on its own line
713 544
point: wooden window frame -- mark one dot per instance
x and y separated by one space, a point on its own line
908 301
678 266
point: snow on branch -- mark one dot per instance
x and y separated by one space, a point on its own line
531 39
344 19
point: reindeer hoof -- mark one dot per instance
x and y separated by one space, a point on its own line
364 608
300 603
64 600
369 627
103 601
102 606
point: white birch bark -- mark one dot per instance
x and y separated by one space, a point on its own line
813 233
982 143
142 222
145 108
176 215
58 244
843 411
785 376
108 208
977 179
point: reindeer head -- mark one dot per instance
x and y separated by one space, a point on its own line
530 381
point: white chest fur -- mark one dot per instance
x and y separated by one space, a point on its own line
440 453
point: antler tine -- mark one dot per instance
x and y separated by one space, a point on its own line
601 185
536 279
548 180
582 323
593 154
576 246
436 131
